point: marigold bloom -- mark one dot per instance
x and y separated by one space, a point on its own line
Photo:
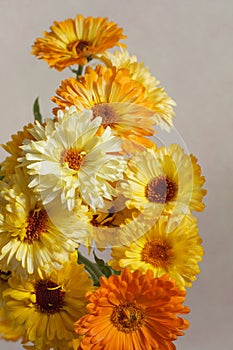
105 226
47 306
175 252
162 104
32 236
112 94
74 162
133 311
164 181
76 41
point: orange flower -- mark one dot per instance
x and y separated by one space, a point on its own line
133 311
112 94
76 41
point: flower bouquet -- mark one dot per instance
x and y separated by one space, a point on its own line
98 242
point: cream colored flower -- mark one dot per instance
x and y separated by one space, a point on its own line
74 162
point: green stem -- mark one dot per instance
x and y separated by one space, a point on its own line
91 267
78 71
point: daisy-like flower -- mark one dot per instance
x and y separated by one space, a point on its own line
112 94
176 252
133 311
74 162
164 181
32 236
13 148
162 104
47 306
105 226
77 41
8 330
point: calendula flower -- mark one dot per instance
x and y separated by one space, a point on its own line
32 236
162 104
74 162
175 252
164 181
13 148
8 330
76 41
105 226
112 94
133 311
47 306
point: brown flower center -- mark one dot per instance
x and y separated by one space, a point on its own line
157 253
107 113
128 317
73 158
161 190
49 297
36 224
80 46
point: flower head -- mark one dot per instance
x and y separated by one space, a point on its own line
133 311
32 236
112 94
106 226
73 162
162 104
164 181
176 252
47 306
76 41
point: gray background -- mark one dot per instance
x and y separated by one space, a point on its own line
188 47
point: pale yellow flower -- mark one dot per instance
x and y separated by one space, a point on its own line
164 181
74 162
32 236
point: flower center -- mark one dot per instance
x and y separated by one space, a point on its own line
127 317
73 158
80 46
49 297
36 224
161 190
157 253
107 113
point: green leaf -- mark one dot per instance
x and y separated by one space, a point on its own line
36 111
104 267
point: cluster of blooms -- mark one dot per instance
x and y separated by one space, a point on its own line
92 176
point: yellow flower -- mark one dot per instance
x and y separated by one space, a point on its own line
74 162
162 104
47 306
32 236
133 311
8 330
164 181
112 94
105 226
175 252
76 41
13 148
